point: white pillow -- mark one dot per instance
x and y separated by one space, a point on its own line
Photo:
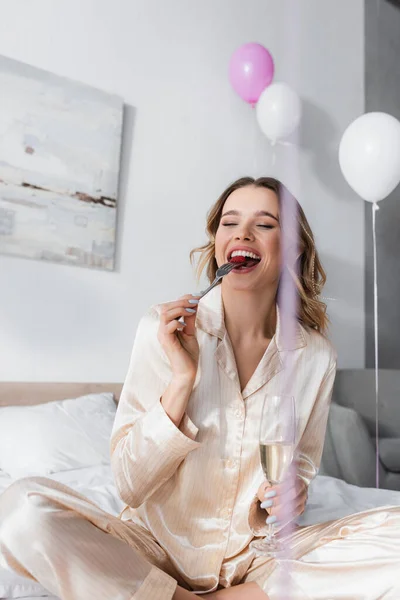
56 436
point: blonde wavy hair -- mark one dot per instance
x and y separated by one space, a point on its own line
308 275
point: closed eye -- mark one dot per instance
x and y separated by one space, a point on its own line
233 224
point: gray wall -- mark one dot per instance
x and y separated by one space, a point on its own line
382 93
186 138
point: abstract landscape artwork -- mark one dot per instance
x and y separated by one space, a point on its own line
60 144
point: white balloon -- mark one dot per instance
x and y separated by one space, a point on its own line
369 155
278 111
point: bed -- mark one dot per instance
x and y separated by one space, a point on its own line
84 412
94 481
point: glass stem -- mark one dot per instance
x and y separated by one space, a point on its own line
270 533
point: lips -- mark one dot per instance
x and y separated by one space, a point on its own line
243 249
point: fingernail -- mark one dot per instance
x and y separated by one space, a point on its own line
183 323
197 294
193 301
267 504
270 494
271 519
190 310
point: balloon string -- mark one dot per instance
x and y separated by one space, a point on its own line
255 139
375 208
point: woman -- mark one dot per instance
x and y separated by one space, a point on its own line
185 450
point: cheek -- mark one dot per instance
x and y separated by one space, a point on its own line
220 241
273 247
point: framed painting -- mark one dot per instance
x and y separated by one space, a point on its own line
60 144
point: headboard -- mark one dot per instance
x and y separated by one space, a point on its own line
20 394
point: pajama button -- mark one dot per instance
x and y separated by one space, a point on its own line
231 463
238 413
225 513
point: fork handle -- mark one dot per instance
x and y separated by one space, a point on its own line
210 287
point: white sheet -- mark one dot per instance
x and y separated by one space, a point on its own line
329 498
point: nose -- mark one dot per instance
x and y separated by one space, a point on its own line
244 233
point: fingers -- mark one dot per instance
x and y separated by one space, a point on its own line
262 490
278 499
280 511
185 307
179 311
173 326
284 517
187 301
291 488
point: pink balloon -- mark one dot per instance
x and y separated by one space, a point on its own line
251 70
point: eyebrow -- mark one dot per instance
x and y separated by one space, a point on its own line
258 213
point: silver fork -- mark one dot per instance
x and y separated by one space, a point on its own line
221 272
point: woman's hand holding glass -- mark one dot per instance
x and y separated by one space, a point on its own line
277 437
276 499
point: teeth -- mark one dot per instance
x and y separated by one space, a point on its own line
244 253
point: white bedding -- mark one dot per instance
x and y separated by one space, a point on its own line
94 482
329 498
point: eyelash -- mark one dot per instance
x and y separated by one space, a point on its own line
232 224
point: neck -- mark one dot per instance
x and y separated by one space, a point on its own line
249 315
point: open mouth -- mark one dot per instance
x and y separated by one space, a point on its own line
245 260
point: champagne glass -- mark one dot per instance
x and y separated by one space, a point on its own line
276 439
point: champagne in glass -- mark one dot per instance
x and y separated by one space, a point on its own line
276 458
276 440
